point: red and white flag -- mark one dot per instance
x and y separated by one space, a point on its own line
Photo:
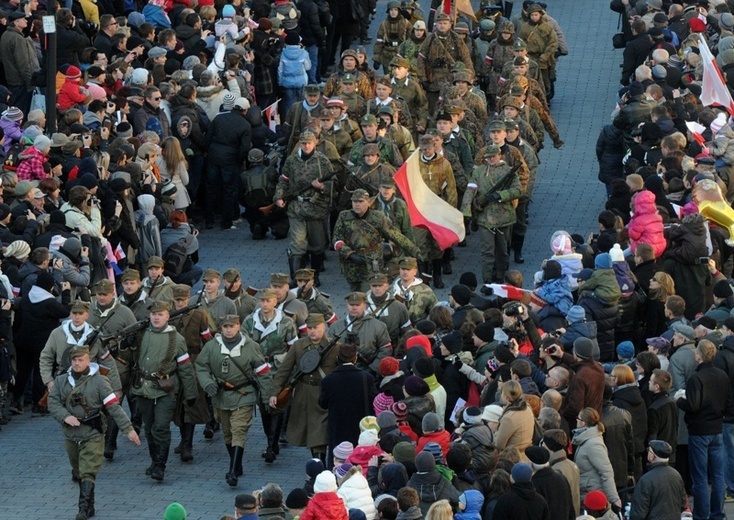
713 89
426 209
271 115
446 7
506 291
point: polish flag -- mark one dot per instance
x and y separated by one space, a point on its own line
206 335
111 400
713 89
446 8
119 252
426 209
271 115
506 291
262 369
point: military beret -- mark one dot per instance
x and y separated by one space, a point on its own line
79 306
155 261
305 274
231 275
278 279
356 297
370 149
492 150
104 286
360 194
159 307
408 263
399 61
211 274
267 294
497 125
78 350
130 275
378 279
368 119
231 319
312 89
181 291
313 320
519 45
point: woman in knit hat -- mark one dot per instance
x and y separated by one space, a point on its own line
13 257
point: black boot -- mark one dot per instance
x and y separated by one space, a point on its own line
152 451
187 441
424 272
234 460
447 257
437 275
90 500
211 427
317 264
294 264
110 440
159 466
83 513
517 243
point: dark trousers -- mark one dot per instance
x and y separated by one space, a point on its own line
344 32
157 415
21 97
196 173
27 367
222 186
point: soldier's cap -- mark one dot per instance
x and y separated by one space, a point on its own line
245 501
378 279
155 261
408 262
387 181
384 80
78 350
211 274
312 89
443 116
486 25
497 124
511 124
231 319
520 80
514 102
443 17
335 102
181 291
519 45
231 275
426 139
349 52
517 91
360 194
348 78
461 28
159 307
534 8
356 297
305 274
406 4
368 119
314 320
370 149
278 279
104 286
420 25
325 114
492 150
79 306
519 61
267 294
386 109
129 275
307 136
399 61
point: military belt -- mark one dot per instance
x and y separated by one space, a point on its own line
311 383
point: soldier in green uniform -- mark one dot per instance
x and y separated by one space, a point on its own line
418 297
233 371
337 136
75 401
355 104
511 107
368 333
367 176
482 36
316 301
348 66
338 109
109 316
196 330
437 56
163 363
495 211
133 296
299 115
411 93
396 211
410 48
275 333
156 284
383 97
307 420
528 152
391 33
287 302
458 145
55 357
542 43
388 151
214 302
465 124
307 213
244 302
520 50
361 236
396 132
383 306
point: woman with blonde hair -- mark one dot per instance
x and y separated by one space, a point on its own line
517 422
661 286
440 510
626 395
592 458
173 165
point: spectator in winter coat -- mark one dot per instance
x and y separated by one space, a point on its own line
293 69
609 154
552 299
312 36
325 503
601 309
71 264
429 483
517 422
591 456
522 501
646 225
586 388
660 492
155 15
148 229
551 484
10 123
33 160
578 327
72 93
628 397
433 431
355 492
470 505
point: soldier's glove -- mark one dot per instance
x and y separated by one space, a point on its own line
211 389
558 143
494 197
190 402
358 259
376 65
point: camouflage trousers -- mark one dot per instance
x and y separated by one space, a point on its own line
427 244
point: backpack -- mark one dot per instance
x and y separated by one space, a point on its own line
258 187
175 258
12 158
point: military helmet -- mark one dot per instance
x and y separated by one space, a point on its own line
393 4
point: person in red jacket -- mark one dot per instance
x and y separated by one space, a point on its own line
325 503
646 225
433 431
72 93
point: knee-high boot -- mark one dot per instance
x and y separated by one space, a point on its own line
437 274
110 440
187 442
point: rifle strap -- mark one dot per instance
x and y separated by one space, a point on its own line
248 379
74 391
169 353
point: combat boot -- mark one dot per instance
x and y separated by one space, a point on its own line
152 451
210 428
90 499
83 513
437 274
159 466
317 264
234 460
110 440
187 442
517 243
424 272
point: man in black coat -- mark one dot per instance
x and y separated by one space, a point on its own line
660 493
551 484
346 394
725 361
662 415
522 502
636 51
312 36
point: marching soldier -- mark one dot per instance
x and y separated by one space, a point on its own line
457 144
287 302
410 48
195 329
491 198
244 302
520 50
156 284
75 332
368 175
542 43
76 400
396 211
386 308
388 151
391 33
410 92
514 108
355 104
418 297
110 316
361 236
307 421
214 302
133 296
275 333
499 52
316 301
163 364
348 67
336 135
233 371
299 115
396 132
338 109
368 333
437 56
383 98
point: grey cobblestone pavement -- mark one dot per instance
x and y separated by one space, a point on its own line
34 471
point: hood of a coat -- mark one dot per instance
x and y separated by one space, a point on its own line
645 203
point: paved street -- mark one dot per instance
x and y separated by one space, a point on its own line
35 476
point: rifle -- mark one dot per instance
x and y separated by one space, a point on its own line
143 324
358 180
266 210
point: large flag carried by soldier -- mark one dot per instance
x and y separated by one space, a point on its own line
426 209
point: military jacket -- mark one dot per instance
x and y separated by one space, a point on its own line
542 42
245 304
390 34
498 54
410 92
119 318
392 313
419 298
317 303
356 105
396 211
217 308
296 119
409 50
389 153
139 306
371 175
531 160
437 56
195 329
439 176
161 291
296 175
533 70
296 310
291 360
341 140
333 85
460 147
372 337
350 127
274 337
374 105
492 214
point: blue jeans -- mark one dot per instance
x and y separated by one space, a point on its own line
313 55
729 452
705 456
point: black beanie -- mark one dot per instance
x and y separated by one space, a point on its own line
469 279
45 281
503 355
423 367
461 294
484 331
57 217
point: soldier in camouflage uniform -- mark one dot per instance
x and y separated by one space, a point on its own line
294 308
383 97
458 145
388 151
383 306
521 90
361 236
528 154
233 371
449 155
520 50
514 108
337 136
391 33
156 284
411 47
542 42
341 119
482 36
499 52
410 92
301 177
315 301
396 211
275 333
323 145
495 212
356 105
411 11
510 112
465 124
367 176
76 399
348 66
133 296
438 54
299 114
243 301
462 82
395 132
368 333
164 364
417 296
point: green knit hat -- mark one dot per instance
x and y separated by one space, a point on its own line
175 511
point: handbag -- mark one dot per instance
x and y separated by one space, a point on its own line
38 101
618 41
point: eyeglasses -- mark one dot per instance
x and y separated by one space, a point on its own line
157 98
